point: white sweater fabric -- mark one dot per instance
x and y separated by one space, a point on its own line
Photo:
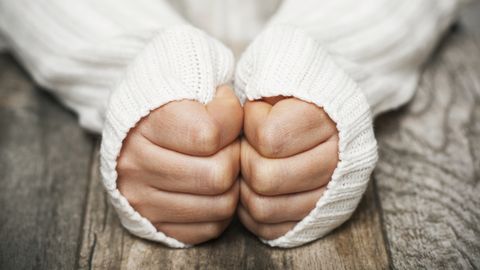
352 58
114 61
178 63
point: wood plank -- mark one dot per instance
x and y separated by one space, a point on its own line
429 169
358 244
44 161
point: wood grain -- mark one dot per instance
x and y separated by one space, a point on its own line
421 211
44 159
429 170
358 244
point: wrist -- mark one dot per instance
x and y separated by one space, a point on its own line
286 61
178 63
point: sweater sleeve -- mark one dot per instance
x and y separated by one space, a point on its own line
112 62
80 50
355 59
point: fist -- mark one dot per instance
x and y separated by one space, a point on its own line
178 167
288 155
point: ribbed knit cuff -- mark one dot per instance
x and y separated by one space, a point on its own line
178 63
286 61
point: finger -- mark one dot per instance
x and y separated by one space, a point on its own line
255 115
306 171
194 233
161 206
183 126
188 127
227 112
289 127
265 231
176 172
277 209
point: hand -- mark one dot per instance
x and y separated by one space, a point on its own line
287 159
179 166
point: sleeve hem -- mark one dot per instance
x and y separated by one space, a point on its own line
286 61
155 78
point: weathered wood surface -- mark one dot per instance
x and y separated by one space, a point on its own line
44 162
428 174
358 244
421 210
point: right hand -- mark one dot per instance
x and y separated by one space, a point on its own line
178 167
288 156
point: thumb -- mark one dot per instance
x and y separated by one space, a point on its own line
226 111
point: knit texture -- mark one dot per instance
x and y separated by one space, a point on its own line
380 44
178 63
142 51
286 61
349 57
79 50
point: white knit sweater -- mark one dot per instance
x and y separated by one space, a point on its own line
349 57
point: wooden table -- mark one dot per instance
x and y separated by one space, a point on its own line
422 209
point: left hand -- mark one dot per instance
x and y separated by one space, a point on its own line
287 158
178 167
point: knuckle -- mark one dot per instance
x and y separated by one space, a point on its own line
220 177
270 139
262 178
334 156
206 137
324 116
227 207
131 194
214 230
327 122
129 161
259 209
265 232
125 163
